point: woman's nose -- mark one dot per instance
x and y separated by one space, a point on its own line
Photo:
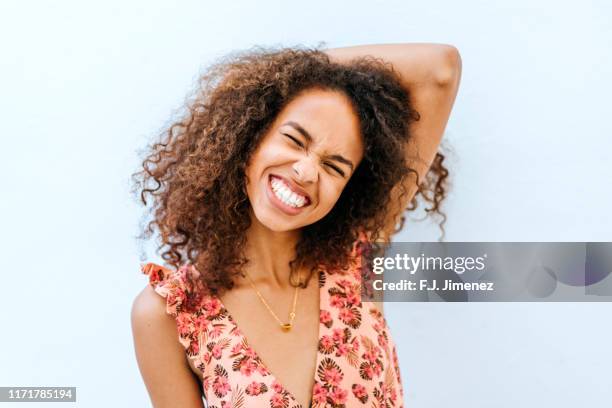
305 170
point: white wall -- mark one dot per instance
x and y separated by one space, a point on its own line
84 85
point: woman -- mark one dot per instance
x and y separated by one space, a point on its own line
287 161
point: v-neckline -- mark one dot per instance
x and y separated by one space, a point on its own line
321 271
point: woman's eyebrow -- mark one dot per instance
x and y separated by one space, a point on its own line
300 129
341 159
309 138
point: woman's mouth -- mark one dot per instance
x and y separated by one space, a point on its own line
284 197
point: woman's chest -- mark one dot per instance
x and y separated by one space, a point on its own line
289 356
245 345
337 351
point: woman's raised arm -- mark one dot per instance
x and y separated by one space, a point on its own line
431 73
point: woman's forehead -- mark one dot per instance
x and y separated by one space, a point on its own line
324 118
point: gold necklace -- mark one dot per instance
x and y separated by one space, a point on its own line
285 327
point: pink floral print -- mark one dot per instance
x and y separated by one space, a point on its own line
357 364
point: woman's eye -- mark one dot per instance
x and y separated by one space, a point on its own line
297 142
335 168
301 145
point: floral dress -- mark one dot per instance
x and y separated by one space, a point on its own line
357 364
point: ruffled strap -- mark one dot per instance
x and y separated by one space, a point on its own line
360 245
361 271
180 288
184 300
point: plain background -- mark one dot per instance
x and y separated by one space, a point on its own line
85 85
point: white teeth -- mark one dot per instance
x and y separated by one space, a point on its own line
286 195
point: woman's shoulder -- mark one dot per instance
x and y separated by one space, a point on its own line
149 315
150 318
185 298
160 357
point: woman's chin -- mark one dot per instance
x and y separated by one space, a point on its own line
273 223
278 227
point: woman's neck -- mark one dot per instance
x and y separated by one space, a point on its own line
269 253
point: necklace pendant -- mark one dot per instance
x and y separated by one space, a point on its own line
286 327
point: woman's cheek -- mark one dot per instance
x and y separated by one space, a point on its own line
331 192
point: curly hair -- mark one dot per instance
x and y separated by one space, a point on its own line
195 173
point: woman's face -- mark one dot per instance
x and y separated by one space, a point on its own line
304 161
